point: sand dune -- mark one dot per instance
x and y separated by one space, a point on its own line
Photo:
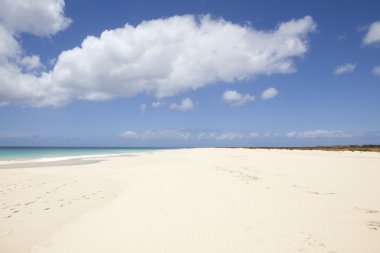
196 200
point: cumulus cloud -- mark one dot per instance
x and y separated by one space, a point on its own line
164 134
266 135
20 80
220 137
42 17
254 135
322 134
158 104
234 98
161 57
373 34
9 47
181 134
185 105
345 68
376 70
31 62
314 134
269 93
130 135
228 136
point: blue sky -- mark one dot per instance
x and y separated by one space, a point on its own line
189 73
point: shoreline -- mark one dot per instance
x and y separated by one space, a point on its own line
187 200
61 158
350 148
56 163
58 158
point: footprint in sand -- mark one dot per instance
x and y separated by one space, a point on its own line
370 211
373 225
310 241
312 192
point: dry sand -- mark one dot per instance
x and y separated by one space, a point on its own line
195 200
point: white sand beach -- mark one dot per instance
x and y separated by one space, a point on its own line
195 200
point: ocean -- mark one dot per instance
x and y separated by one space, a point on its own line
14 154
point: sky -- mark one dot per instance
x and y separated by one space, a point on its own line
189 73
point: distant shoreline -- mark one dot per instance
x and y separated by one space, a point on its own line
364 148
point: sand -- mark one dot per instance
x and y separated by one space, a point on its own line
195 200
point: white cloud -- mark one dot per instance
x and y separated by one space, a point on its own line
158 104
315 134
272 135
9 48
345 68
376 70
234 137
373 34
234 98
254 135
130 135
185 105
228 136
42 17
19 81
31 62
269 93
181 134
162 57
321 134
164 134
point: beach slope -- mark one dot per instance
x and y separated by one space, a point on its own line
195 200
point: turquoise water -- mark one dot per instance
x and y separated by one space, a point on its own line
26 153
